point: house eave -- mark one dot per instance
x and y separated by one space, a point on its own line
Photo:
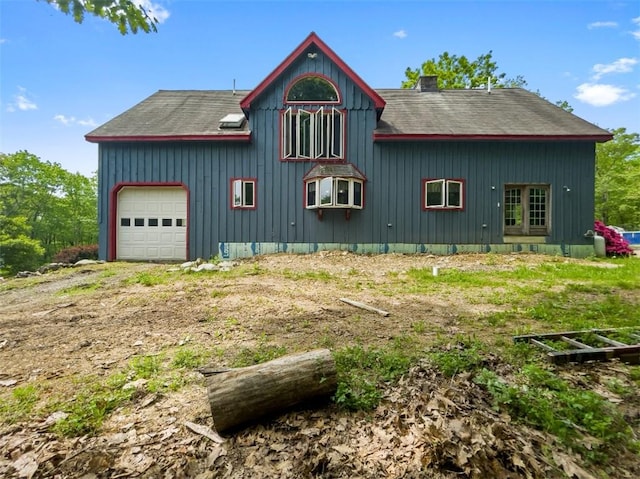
245 137
383 137
378 101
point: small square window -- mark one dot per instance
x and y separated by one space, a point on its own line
152 222
243 193
179 222
138 222
125 221
167 222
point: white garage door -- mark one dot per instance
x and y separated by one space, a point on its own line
152 223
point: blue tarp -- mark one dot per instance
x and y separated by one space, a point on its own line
633 237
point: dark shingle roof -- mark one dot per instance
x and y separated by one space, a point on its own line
446 114
503 112
175 114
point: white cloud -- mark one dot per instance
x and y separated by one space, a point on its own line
21 101
400 34
72 120
3 40
596 94
155 10
593 25
622 65
636 32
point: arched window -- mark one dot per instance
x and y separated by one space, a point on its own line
312 89
315 129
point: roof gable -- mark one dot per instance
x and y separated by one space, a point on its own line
313 39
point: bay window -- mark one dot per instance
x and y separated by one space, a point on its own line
333 192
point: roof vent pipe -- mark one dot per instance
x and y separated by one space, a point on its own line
234 86
489 85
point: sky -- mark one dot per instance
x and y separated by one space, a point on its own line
59 80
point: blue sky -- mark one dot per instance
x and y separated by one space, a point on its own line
59 80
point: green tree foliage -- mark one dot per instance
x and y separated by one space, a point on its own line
41 201
618 180
455 71
127 15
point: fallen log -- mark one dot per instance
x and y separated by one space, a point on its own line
243 395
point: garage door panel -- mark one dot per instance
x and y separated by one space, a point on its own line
152 223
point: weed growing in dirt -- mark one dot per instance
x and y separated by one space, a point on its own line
582 420
310 275
186 358
145 367
361 372
19 404
83 288
262 353
146 278
457 356
88 409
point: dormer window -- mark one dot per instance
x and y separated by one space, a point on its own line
315 129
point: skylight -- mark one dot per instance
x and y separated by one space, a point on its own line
232 120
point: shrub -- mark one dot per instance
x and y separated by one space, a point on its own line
76 253
20 254
615 244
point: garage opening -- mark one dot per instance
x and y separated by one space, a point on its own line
151 223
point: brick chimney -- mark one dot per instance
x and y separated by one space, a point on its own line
427 83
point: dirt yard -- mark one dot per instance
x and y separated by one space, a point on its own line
58 329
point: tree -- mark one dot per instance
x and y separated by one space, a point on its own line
617 200
458 72
57 208
127 15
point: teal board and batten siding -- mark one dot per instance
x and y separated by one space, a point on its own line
393 192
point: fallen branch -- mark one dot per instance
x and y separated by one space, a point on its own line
360 305
204 431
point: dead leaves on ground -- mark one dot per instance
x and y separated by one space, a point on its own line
427 426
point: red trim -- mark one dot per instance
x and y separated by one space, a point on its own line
113 212
105 139
312 75
255 193
470 137
312 39
463 194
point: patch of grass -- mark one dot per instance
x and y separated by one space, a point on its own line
320 275
186 358
262 353
145 367
78 289
147 278
19 404
88 410
458 356
576 313
362 370
541 399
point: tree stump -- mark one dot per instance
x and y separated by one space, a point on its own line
242 395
